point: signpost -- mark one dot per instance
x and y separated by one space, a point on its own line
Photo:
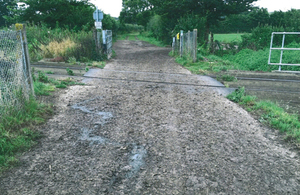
98 17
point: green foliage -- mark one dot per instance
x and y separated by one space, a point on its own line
5 11
72 14
148 38
155 27
70 72
226 77
128 28
42 89
136 12
42 77
237 95
189 22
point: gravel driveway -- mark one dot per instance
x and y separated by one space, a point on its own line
145 125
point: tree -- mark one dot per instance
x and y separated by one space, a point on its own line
5 10
67 13
213 10
277 18
136 12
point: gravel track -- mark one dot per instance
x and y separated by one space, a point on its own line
127 137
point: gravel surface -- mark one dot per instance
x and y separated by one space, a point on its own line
148 126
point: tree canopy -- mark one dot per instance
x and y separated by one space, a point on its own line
171 11
5 10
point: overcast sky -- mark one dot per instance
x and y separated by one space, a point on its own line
114 7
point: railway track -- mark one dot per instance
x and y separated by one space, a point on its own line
177 83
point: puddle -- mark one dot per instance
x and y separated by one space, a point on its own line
137 154
136 160
85 136
82 108
105 115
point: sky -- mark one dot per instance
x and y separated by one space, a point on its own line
114 7
276 5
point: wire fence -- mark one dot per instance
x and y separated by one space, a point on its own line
15 77
185 44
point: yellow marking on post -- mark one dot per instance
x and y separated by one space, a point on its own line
19 26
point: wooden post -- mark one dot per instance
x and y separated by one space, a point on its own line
195 45
27 60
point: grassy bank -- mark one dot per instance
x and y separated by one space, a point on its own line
270 114
16 129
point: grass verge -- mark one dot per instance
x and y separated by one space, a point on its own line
16 125
270 114
16 134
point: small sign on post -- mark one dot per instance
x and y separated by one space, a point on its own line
98 17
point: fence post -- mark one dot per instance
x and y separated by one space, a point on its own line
173 45
195 45
189 42
27 60
181 42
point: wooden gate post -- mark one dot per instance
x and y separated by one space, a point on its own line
195 45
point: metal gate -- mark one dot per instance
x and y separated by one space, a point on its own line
107 41
282 48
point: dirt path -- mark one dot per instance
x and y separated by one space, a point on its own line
127 135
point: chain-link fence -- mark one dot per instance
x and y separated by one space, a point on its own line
185 44
15 78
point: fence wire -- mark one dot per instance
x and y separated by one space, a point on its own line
185 44
14 79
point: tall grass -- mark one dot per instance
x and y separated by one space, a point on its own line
44 42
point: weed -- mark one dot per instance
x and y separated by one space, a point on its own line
227 78
49 72
42 77
72 60
237 95
87 69
61 86
42 88
70 72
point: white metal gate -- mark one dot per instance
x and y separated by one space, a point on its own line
107 41
282 48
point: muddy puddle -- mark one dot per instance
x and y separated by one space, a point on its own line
137 153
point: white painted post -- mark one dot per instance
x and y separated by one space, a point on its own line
181 42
